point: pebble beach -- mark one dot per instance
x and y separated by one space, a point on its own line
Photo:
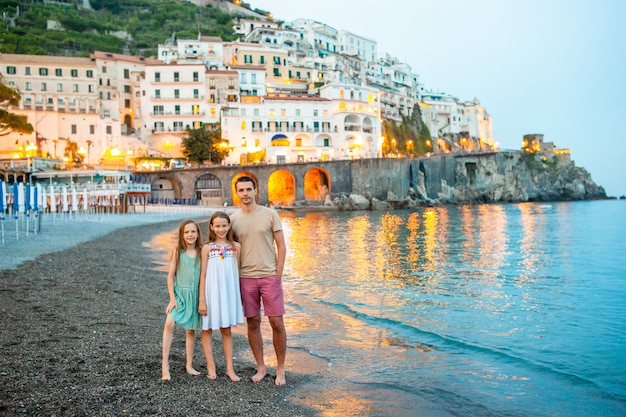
83 305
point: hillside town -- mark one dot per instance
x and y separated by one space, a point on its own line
297 91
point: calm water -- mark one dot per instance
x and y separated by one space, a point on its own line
498 310
489 310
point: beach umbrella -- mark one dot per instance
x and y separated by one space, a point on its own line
28 198
64 201
53 200
3 195
3 206
21 197
74 199
85 200
36 195
44 199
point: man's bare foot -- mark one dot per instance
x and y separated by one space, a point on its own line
165 373
192 371
280 378
212 375
233 376
260 374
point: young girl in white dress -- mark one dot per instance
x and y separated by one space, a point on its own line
220 297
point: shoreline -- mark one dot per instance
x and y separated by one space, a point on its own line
82 327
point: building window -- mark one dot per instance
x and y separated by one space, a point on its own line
109 130
92 129
75 88
178 126
243 125
27 86
231 83
157 110
126 73
276 60
256 112
127 103
157 77
157 93
11 70
74 130
176 77
212 83
89 74
195 77
262 59
58 72
315 113
276 72
177 93
90 89
44 87
60 87
212 98
247 59
253 78
74 73
104 70
196 93
297 112
283 112
43 71
177 109
26 70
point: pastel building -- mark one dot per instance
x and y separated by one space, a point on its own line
343 122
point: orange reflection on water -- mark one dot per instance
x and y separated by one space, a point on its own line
530 243
492 240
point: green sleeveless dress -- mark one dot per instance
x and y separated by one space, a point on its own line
186 291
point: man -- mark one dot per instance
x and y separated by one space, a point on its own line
258 229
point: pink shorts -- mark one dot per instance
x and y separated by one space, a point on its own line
268 289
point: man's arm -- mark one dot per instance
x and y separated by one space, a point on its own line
281 249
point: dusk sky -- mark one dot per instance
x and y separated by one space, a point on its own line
555 67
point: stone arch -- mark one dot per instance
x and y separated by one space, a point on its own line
236 200
208 189
281 188
316 184
166 190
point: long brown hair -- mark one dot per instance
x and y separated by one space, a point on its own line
230 235
182 245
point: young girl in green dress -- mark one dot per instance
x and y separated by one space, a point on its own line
182 285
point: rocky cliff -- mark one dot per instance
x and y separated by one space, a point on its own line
499 177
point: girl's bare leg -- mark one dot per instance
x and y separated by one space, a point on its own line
190 345
168 331
227 343
207 346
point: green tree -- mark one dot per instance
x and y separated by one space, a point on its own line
11 122
411 136
204 145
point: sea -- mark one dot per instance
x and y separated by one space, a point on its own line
471 310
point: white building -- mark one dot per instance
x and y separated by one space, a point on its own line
455 125
342 123
207 50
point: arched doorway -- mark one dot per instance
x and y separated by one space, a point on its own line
208 189
281 188
316 185
163 190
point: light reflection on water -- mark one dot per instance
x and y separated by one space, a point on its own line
469 305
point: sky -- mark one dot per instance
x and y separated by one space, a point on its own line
555 67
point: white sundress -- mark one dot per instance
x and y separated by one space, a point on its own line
222 293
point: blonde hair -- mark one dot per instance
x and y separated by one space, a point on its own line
182 245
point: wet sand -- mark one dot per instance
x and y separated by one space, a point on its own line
81 335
